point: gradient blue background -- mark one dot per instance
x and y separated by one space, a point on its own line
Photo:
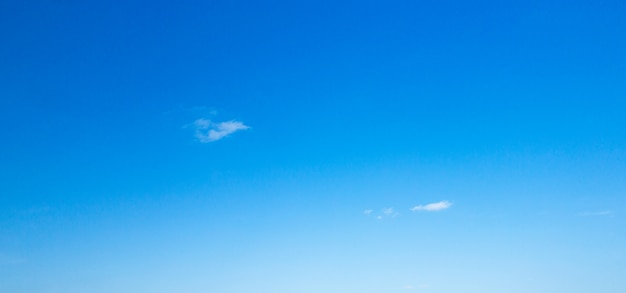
512 111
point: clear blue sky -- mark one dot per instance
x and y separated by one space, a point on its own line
313 146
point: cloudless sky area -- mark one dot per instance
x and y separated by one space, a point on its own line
313 146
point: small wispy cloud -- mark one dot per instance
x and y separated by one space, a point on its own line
599 213
368 212
433 207
209 131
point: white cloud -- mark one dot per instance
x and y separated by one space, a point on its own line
368 212
433 207
388 211
209 131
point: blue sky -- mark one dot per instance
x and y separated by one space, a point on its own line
312 146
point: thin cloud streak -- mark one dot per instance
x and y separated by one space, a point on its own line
433 207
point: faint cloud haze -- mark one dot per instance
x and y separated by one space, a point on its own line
385 212
433 207
388 211
600 213
9 260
